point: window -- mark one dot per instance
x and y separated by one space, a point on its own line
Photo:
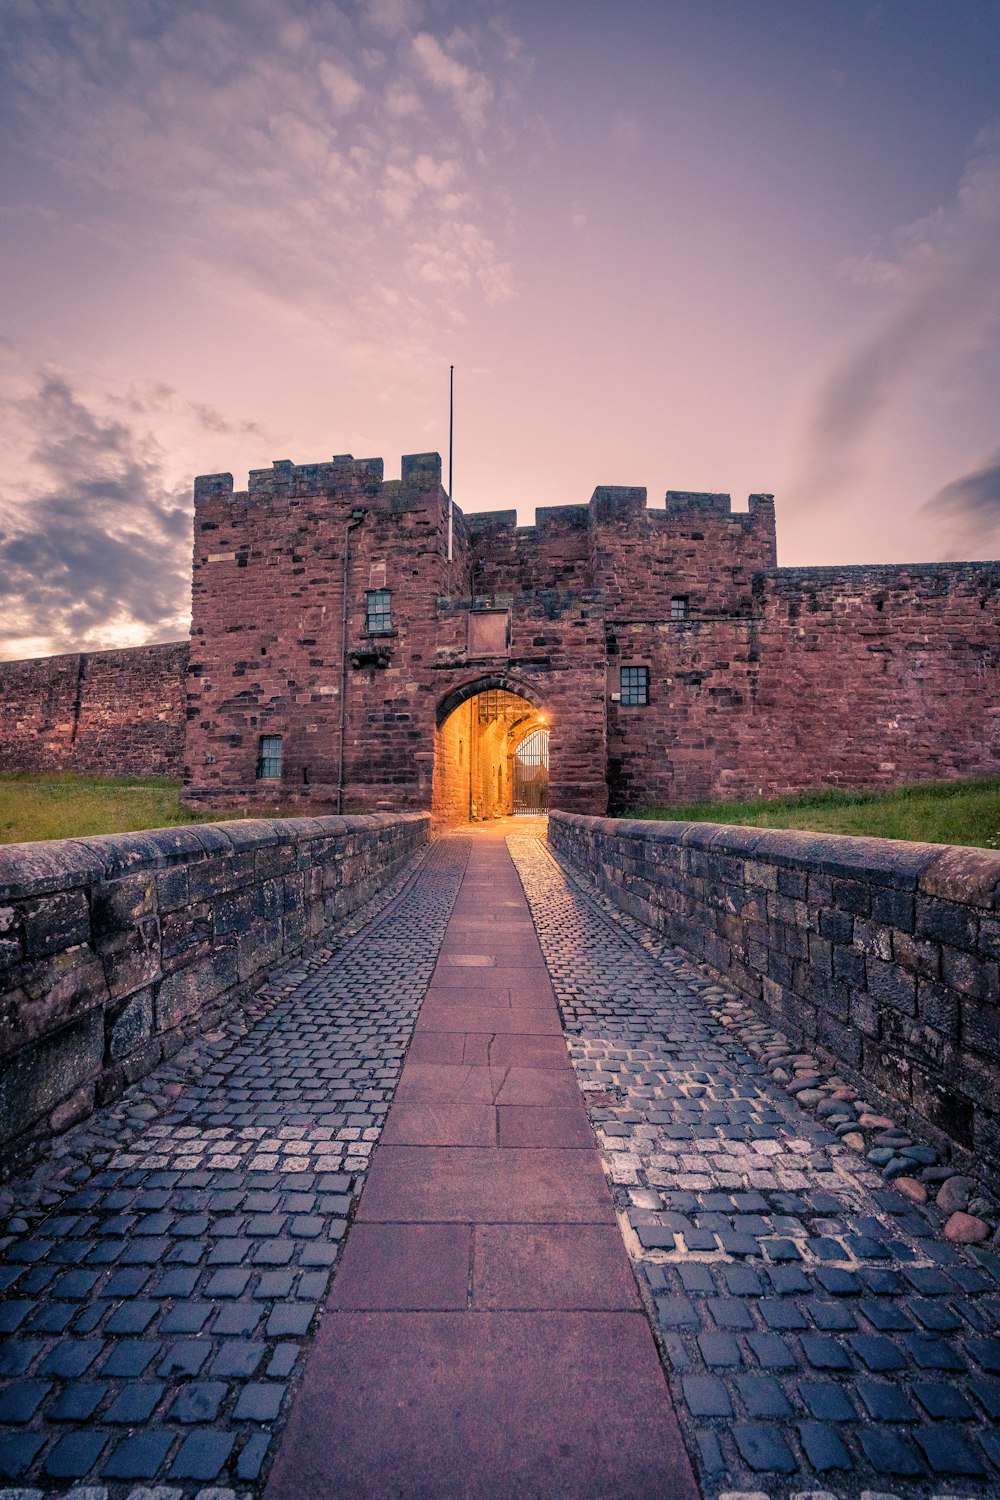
679 607
269 758
378 611
635 687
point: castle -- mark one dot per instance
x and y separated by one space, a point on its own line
612 656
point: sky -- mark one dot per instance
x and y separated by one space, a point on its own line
739 245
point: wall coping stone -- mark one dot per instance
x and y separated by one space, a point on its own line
36 869
889 862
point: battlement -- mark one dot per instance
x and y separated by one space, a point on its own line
342 475
347 477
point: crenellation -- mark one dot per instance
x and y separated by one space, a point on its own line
679 502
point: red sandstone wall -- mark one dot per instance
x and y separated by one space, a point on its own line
267 639
696 547
103 712
849 677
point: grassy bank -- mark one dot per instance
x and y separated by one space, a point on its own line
950 812
62 806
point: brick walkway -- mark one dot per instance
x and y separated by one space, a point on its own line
162 1279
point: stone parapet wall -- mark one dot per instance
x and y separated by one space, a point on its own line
114 950
112 713
880 956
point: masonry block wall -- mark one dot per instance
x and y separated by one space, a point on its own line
883 957
761 680
840 677
103 712
115 950
270 654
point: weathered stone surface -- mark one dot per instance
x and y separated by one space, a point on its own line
77 1107
52 923
133 1025
918 1029
954 1194
96 711
912 1189
85 1019
966 1229
42 1075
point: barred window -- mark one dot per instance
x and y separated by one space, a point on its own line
269 758
679 607
378 611
635 687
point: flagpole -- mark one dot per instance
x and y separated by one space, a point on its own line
451 449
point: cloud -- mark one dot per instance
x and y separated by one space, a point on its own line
95 527
343 89
455 258
266 148
469 91
968 511
941 299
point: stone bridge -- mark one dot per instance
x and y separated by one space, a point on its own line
441 1173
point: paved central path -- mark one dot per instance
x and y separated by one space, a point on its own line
484 1336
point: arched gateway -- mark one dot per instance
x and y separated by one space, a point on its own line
481 729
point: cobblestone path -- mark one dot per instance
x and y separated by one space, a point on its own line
160 1278
818 1333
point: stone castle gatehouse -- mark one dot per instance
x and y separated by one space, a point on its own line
628 655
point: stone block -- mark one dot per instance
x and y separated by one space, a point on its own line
886 1070
843 1041
968 876
968 973
47 1071
42 996
131 956
981 1028
219 874
938 1006
132 1026
172 889
946 922
943 1105
118 904
891 986
190 990
52 923
185 935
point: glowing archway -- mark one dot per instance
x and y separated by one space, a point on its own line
480 725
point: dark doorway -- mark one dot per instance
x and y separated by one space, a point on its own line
531 774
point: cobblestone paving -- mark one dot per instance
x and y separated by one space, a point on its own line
160 1276
818 1334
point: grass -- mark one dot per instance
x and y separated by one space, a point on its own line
60 805
949 812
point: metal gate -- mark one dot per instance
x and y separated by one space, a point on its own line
531 775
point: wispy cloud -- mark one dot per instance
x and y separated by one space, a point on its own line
95 521
939 286
469 90
277 147
968 511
